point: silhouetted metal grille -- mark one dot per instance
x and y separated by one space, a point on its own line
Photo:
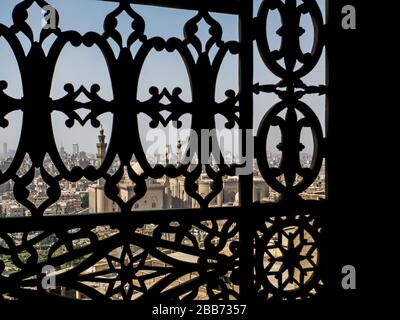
255 251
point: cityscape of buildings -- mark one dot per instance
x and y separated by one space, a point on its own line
86 196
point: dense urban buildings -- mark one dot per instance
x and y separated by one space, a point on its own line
85 196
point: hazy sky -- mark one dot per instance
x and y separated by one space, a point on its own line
86 66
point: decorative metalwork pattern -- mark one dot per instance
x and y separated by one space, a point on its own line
287 256
290 89
124 70
134 262
176 254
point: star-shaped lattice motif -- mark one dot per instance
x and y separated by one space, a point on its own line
127 267
290 258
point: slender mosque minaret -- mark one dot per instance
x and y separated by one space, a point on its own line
98 201
178 151
101 147
167 185
101 152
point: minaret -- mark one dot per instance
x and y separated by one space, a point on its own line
177 191
101 151
167 185
98 201
101 147
167 154
178 151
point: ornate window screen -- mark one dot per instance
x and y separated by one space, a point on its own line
263 251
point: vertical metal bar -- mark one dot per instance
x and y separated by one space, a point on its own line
333 141
329 176
246 122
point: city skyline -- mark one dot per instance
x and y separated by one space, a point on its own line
86 196
172 152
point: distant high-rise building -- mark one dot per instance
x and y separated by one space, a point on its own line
5 150
62 151
75 149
